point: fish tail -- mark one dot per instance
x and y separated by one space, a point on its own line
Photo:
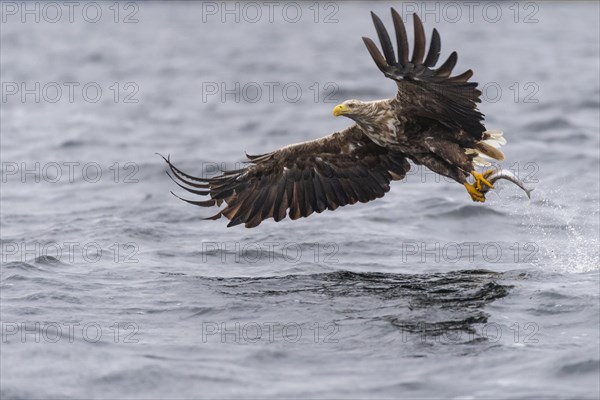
528 191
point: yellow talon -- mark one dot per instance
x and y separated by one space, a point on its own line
480 178
475 194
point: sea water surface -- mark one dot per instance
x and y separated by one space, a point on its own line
113 288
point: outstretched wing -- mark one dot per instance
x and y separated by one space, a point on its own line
308 177
424 91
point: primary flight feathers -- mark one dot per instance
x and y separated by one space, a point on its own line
315 176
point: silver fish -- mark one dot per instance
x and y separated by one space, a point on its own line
509 176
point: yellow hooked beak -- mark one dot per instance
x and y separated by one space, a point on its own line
340 109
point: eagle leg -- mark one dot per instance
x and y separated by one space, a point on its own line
474 189
475 194
481 179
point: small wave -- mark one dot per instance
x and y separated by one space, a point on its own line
588 103
51 296
17 265
568 138
581 367
94 58
549 125
48 260
72 143
469 211
139 232
21 393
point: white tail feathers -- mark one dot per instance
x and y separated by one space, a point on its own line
494 137
488 148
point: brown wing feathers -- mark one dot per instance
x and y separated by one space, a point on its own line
403 69
433 92
434 49
419 50
328 173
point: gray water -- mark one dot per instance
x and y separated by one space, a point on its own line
113 288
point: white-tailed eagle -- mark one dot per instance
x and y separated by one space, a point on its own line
433 121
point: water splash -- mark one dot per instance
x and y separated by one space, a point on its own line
567 232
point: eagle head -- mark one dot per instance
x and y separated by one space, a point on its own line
353 109
371 116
